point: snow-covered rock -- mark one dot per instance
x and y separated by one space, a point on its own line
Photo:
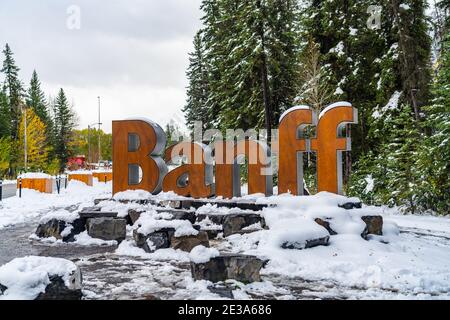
202 254
33 277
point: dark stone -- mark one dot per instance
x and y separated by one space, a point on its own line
174 204
97 201
97 214
160 239
214 218
180 214
234 223
212 234
134 215
187 243
2 289
190 216
306 245
54 228
242 268
351 205
107 228
57 290
326 224
223 290
374 225
91 209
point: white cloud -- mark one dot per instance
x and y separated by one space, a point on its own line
132 53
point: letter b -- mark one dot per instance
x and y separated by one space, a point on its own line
137 162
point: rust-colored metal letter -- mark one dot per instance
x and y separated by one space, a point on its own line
228 182
292 146
193 179
330 144
137 164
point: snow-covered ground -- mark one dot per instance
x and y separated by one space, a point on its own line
33 204
411 259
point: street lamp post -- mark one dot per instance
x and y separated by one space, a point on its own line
99 134
89 140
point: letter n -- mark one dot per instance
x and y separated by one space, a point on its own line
228 157
137 164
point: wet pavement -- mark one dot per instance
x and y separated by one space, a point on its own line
15 243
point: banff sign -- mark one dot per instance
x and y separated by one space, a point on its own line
140 160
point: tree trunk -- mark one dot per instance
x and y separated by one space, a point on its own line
264 79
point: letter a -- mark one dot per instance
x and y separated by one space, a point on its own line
137 146
193 179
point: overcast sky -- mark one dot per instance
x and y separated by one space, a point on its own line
132 53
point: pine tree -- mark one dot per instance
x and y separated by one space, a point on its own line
5 117
389 176
37 148
196 108
434 156
13 88
252 53
64 123
399 154
36 99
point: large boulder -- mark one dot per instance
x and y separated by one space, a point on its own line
181 215
61 230
153 241
236 223
374 225
187 243
175 214
214 218
107 228
40 278
242 268
97 214
134 215
57 290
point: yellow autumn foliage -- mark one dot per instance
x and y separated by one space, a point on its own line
37 146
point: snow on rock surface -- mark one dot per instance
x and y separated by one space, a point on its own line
25 278
148 224
392 261
129 248
61 215
201 254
